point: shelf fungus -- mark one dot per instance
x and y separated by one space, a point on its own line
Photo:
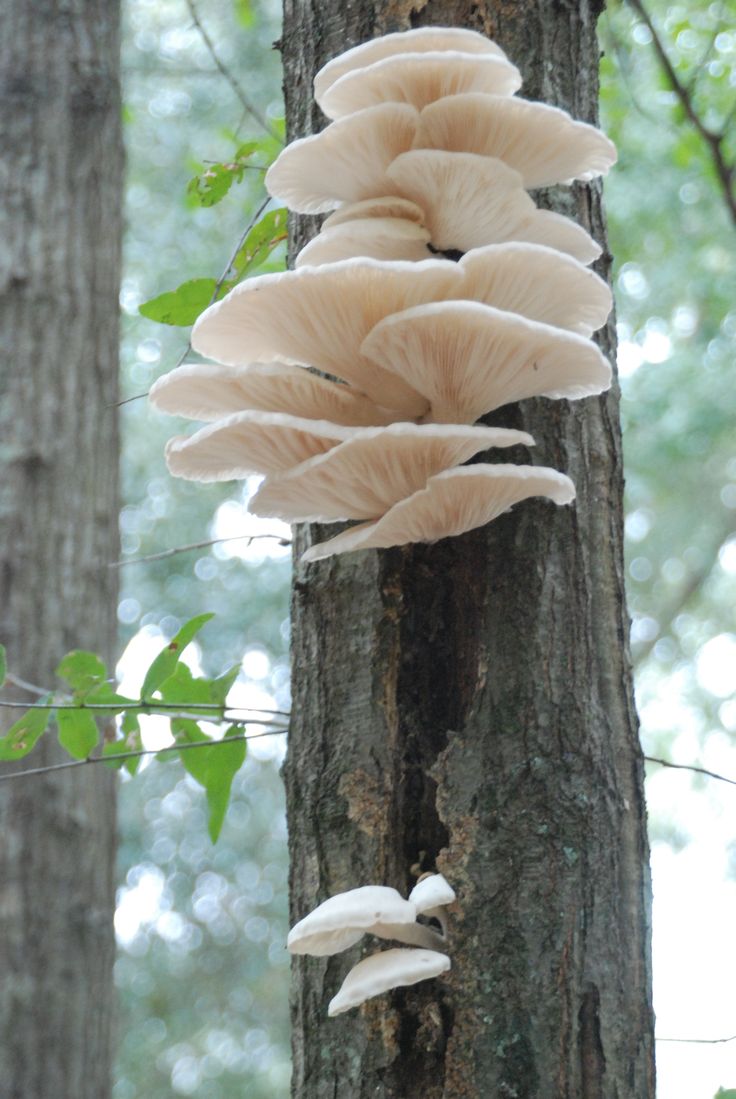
341 921
436 291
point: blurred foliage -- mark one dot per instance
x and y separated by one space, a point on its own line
202 968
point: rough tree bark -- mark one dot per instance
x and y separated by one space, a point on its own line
60 135
468 706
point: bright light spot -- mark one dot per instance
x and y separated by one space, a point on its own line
727 556
629 358
140 903
715 665
633 282
638 524
233 520
256 664
249 697
657 347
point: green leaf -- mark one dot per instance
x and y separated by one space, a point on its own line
131 729
3 665
212 766
244 12
23 734
181 306
164 664
266 235
112 748
82 670
726 1093
78 732
183 689
212 184
104 694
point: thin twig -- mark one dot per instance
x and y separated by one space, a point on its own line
712 139
25 685
690 767
246 102
146 707
68 764
218 287
700 1041
195 546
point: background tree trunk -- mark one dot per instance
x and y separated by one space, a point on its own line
468 706
60 132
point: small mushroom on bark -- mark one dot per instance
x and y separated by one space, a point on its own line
381 972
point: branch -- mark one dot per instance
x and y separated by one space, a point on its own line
213 708
712 139
194 546
247 103
698 771
136 754
699 1041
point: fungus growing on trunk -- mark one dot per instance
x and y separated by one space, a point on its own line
381 972
468 359
452 503
369 473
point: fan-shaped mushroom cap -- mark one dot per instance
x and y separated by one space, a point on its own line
419 79
366 475
468 359
453 502
345 162
320 315
430 892
540 142
390 206
250 442
339 922
379 238
209 391
467 200
540 283
422 40
384 971
556 231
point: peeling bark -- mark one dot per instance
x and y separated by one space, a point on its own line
468 707
59 282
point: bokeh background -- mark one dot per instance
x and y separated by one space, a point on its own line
202 970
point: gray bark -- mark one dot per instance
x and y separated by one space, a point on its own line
60 137
468 707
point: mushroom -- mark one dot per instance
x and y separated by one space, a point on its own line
250 442
379 238
468 359
341 921
557 231
430 896
541 283
418 79
470 200
366 475
544 144
320 315
390 206
346 162
453 502
422 40
384 971
209 391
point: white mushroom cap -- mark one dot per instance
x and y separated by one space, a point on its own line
430 892
209 391
389 206
453 502
540 142
379 238
345 162
538 282
422 40
366 475
556 231
250 442
320 315
419 79
468 200
340 921
382 972
468 359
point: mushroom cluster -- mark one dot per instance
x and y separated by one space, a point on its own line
341 921
435 292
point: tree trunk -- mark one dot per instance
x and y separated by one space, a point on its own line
59 277
468 707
